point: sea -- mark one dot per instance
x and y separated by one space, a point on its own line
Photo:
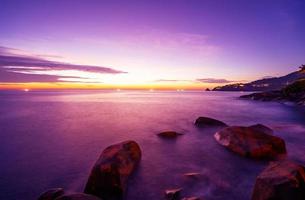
51 139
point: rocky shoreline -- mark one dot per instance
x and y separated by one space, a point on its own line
294 93
281 179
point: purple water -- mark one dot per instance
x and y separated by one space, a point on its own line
52 139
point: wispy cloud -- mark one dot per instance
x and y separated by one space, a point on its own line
214 80
13 61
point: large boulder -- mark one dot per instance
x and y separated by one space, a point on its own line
251 142
51 194
284 180
208 122
78 196
108 178
169 134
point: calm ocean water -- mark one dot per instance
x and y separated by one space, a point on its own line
52 139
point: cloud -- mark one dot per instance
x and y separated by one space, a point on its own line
214 80
16 66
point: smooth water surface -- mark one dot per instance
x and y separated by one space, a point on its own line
52 139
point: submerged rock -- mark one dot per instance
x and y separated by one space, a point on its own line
284 180
109 176
191 198
192 174
207 122
173 194
51 194
169 134
78 196
251 142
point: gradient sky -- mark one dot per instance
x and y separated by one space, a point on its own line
148 44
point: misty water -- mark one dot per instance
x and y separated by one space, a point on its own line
52 139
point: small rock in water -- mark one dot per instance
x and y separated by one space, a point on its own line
169 134
173 194
284 180
192 175
51 194
78 196
191 198
203 122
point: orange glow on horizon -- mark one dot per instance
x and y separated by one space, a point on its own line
118 87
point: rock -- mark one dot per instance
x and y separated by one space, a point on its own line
264 96
78 196
191 198
192 175
173 194
109 176
207 122
169 134
293 92
262 128
284 180
249 142
51 194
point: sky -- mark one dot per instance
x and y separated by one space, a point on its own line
168 44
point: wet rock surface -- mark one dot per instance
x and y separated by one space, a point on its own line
173 194
169 134
203 122
251 142
78 196
109 176
282 180
51 194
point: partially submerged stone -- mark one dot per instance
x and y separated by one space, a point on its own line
78 196
205 122
192 175
51 194
169 134
173 194
283 180
109 176
251 142
191 198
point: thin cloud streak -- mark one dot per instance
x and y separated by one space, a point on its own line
12 61
214 80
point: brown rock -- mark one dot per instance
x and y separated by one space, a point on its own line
169 134
51 194
191 198
249 142
192 174
173 194
208 122
284 180
109 176
78 196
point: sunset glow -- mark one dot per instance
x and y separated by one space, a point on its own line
196 45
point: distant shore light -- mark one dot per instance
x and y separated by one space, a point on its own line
26 89
118 90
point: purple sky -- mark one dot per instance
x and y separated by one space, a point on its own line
186 41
